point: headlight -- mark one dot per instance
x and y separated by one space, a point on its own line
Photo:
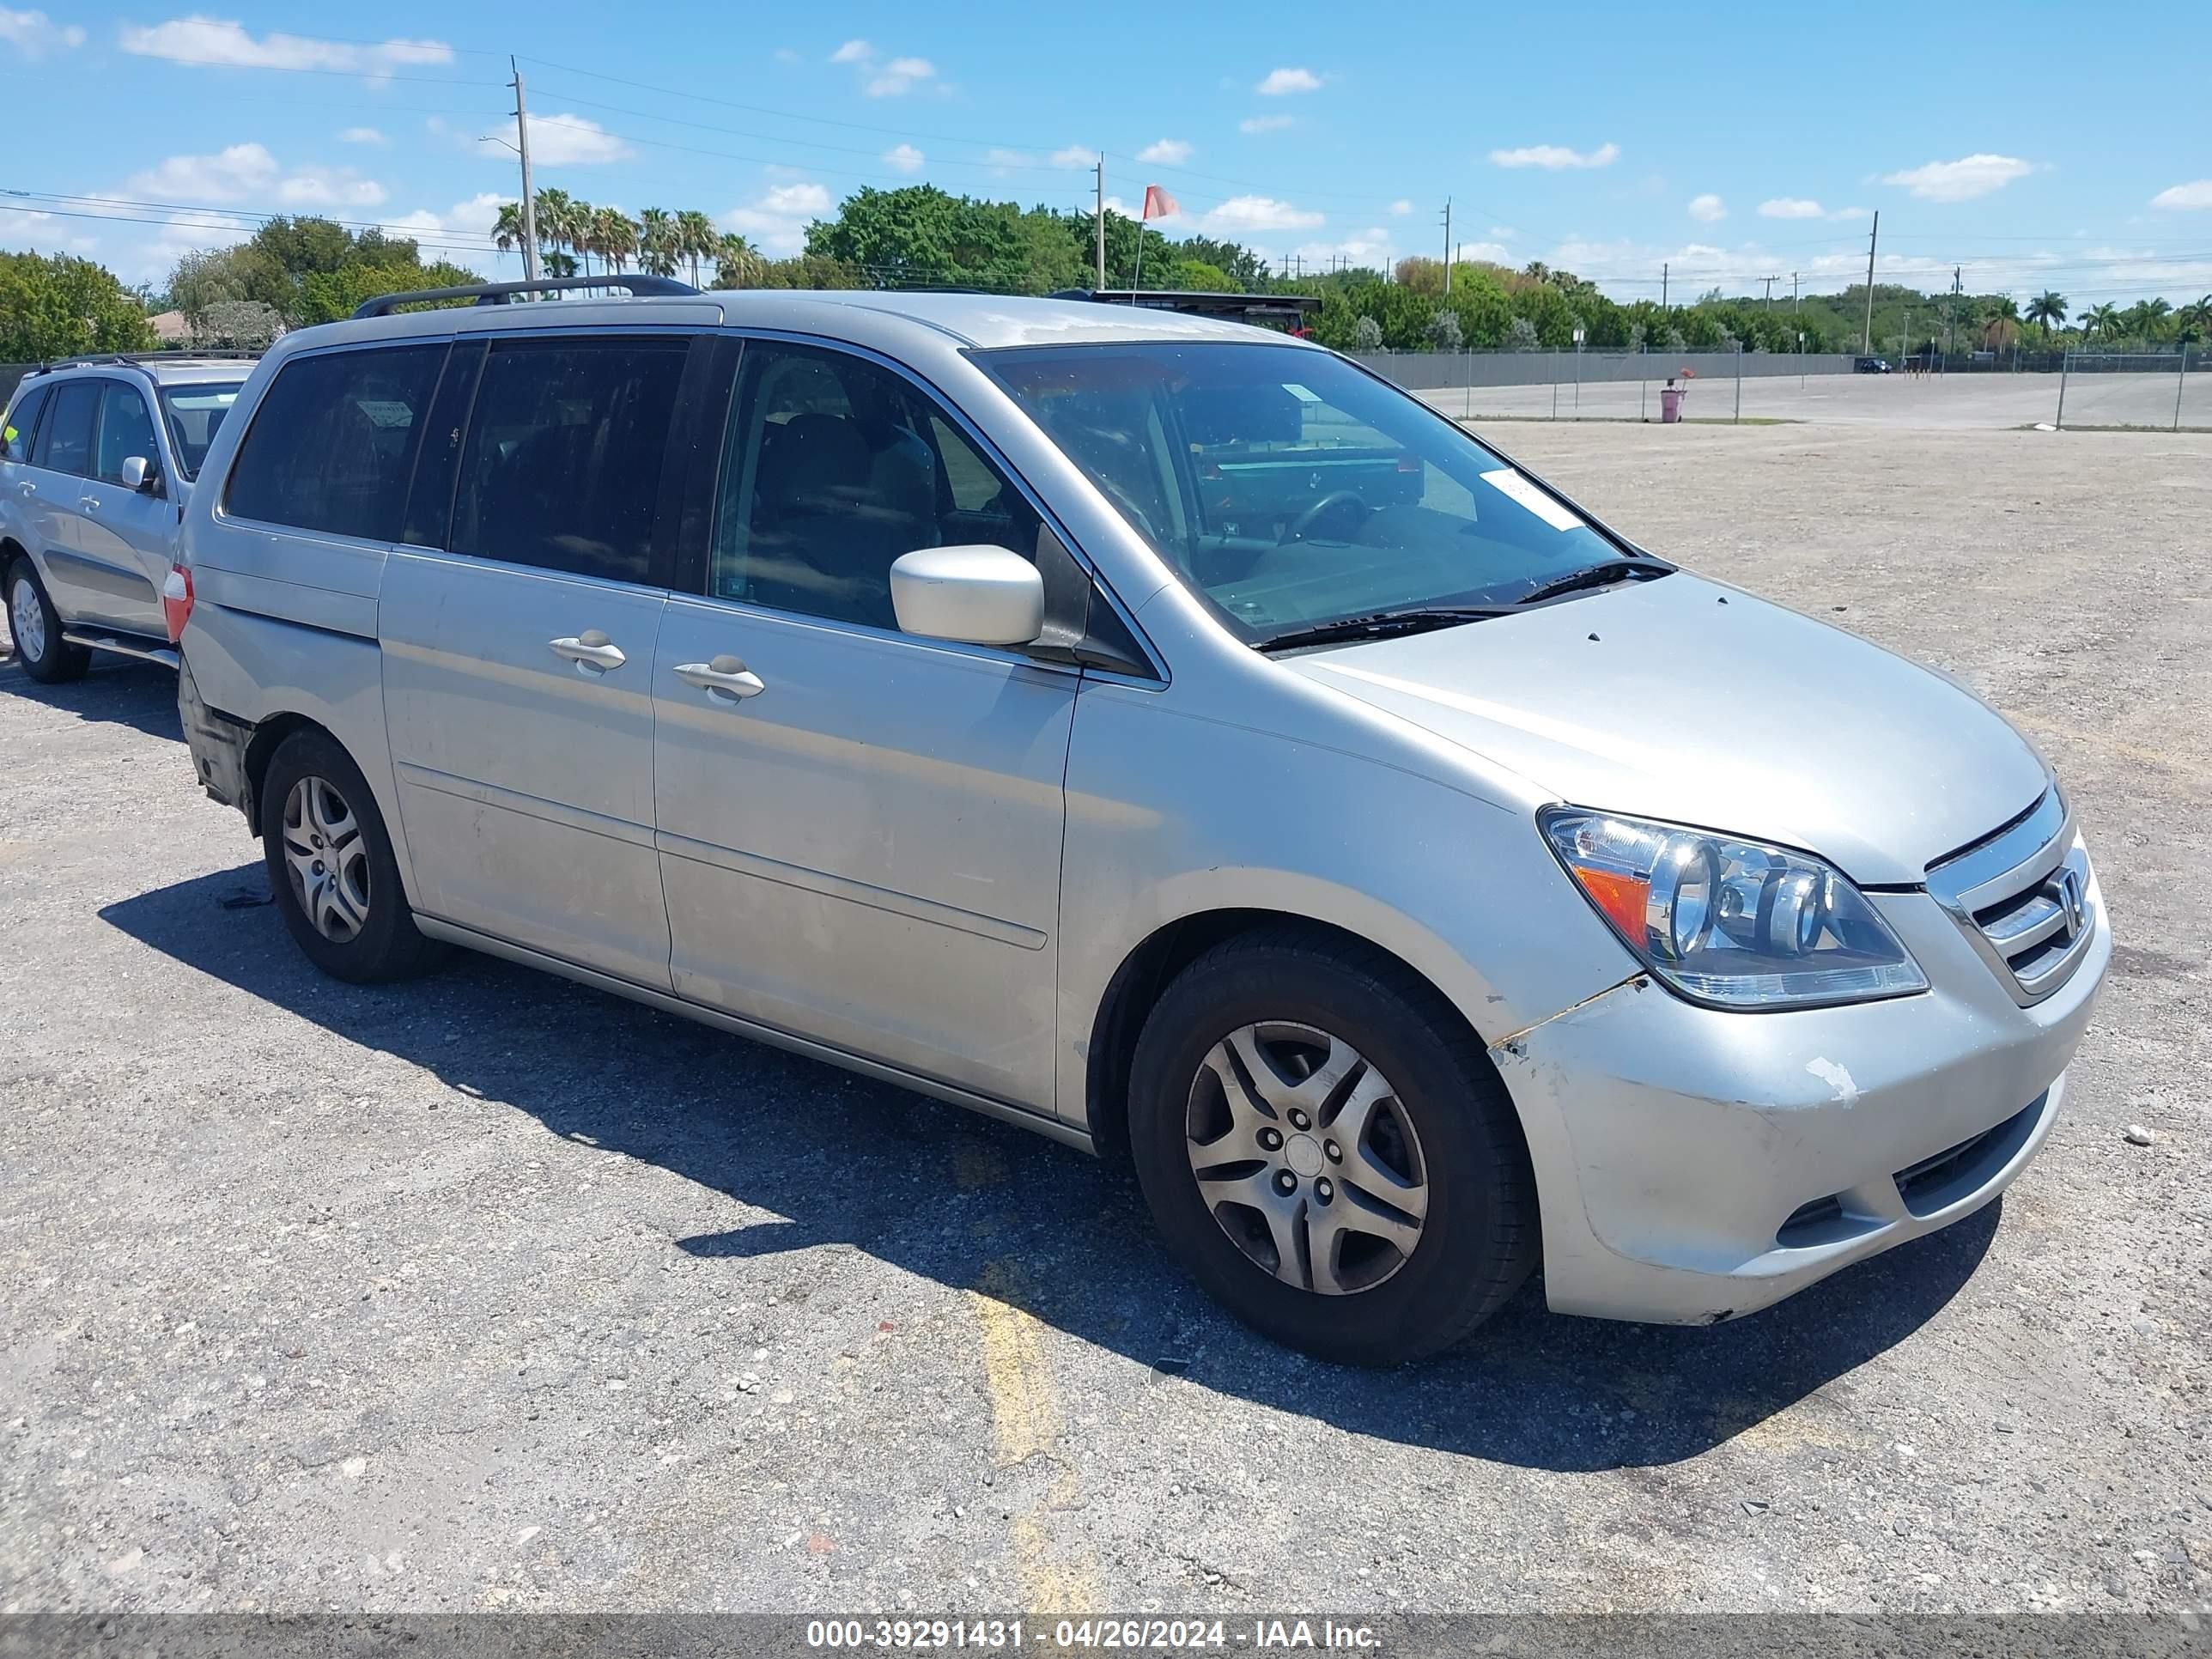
1730 923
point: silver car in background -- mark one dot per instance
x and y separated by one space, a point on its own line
97 457
1162 734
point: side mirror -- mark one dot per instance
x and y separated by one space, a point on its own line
973 595
141 474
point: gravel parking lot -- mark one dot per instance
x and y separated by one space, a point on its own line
488 1291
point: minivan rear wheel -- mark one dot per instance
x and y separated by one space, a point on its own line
36 629
330 865
1326 1147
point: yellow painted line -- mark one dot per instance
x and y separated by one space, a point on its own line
1057 1570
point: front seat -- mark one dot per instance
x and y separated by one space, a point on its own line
825 536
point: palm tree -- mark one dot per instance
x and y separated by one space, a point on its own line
2194 320
557 222
615 234
2145 318
2000 322
2101 320
695 239
506 228
656 242
737 261
2048 310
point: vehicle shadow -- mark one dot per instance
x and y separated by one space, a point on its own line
975 1204
118 691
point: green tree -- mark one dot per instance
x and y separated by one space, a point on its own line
656 242
738 262
2048 310
330 296
2101 320
696 238
55 306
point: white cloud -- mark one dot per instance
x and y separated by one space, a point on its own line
1074 155
229 175
1791 207
1401 207
1003 159
363 136
904 158
1493 253
324 187
220 41
1708 208
1168 152
778 219
2197 194
35 35
852 52
1371 247
1960 181
1255 213
1556 156
1263 123
899 76
1502 233
1284 81
564 141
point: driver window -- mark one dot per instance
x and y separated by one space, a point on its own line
125 429
834 468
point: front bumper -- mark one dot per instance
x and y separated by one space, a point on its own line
1695 1166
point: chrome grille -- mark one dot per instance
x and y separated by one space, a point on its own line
2022 896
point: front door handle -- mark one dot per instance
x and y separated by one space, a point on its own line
726 678
590 651
28 488
89 503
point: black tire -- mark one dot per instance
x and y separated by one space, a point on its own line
384 943
59 662
1479 1240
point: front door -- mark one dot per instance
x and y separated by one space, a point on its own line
519 652
127 535
860 831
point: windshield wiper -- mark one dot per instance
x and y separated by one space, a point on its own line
1595 575
1384 625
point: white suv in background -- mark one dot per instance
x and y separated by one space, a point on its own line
97 456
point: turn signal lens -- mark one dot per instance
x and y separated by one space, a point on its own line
177 601
1731 923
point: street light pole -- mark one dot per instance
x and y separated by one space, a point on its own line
529 201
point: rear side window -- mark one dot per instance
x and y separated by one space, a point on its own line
65 435
22 425
332 443
561 465
126 428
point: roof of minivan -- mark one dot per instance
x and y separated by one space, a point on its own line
973 319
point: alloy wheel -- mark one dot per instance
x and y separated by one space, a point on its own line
27 620
1306 1158
326 857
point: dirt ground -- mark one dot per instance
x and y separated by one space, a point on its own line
489 1292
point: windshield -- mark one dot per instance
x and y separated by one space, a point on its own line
1291 490
194 413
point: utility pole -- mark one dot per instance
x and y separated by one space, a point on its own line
1951 314
1102 219
1797 323
1663 290
1866 339
1448 247
529 202
1770 281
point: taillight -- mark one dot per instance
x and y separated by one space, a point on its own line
177 601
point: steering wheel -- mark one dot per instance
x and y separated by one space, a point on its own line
1336 502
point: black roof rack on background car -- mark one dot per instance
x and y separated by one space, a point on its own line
137 359
637 285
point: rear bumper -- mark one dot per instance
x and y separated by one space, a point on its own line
1696 1165
218 745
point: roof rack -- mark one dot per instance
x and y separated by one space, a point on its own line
137 359
637 285
1200 303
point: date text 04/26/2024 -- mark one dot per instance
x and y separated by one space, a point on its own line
1145 1634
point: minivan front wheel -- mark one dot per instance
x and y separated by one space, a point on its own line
36 628
330 865
1324 1145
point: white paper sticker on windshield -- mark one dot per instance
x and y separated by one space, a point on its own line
1300 392
1509 483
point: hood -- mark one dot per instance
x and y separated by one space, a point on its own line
1683 699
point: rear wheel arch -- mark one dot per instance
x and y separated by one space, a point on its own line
261 748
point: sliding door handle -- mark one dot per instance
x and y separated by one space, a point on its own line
590 651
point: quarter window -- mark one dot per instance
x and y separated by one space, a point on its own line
22 425
834 468
125 429
65 437
333 441
561 465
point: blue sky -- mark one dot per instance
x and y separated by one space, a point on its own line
1564 133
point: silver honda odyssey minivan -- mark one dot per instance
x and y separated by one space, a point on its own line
1159 732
